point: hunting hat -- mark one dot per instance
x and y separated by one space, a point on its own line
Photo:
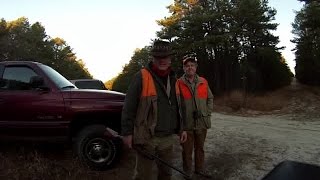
187 59
161 49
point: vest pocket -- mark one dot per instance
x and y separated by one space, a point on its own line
206 117
145 120
152 116
143 112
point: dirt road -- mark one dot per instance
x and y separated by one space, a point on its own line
237 148
249 147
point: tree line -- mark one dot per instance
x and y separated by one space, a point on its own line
232 40
306 29
20 40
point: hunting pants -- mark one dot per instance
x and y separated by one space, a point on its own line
162 147
195 139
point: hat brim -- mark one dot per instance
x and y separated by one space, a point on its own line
185 61
162 54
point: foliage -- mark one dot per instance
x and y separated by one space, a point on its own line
232 41
306 28
308 1
109 83
139 59
20 40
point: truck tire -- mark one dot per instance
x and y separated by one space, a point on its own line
96 150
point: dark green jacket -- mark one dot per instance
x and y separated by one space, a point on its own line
168 119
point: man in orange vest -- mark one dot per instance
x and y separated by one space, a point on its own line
197 105
151 113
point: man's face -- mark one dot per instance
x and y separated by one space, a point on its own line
190 68
163 63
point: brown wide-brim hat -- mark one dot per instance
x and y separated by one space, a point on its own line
161 49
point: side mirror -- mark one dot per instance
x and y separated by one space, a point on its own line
37 82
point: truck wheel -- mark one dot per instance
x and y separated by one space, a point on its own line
95 149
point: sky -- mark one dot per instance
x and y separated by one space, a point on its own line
105 33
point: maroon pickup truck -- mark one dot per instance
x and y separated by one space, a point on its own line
37 103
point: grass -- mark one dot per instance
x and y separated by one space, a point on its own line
46 161
237 100
39 162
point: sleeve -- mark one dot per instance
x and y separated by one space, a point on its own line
181 117
131 103
210 101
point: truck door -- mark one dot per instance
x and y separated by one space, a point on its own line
27 112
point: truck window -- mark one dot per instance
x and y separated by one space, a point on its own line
57 78
90 85
17 78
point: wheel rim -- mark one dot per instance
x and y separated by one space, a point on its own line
99 150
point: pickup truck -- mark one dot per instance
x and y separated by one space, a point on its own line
38 103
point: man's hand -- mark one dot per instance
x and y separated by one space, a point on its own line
127 140
183 137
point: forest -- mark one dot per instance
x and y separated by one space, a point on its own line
231 39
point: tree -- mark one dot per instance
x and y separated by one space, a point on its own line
138 60
306 28
20 40
65 61
232 41
109 83
308 1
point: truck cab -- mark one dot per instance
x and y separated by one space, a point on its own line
38 103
